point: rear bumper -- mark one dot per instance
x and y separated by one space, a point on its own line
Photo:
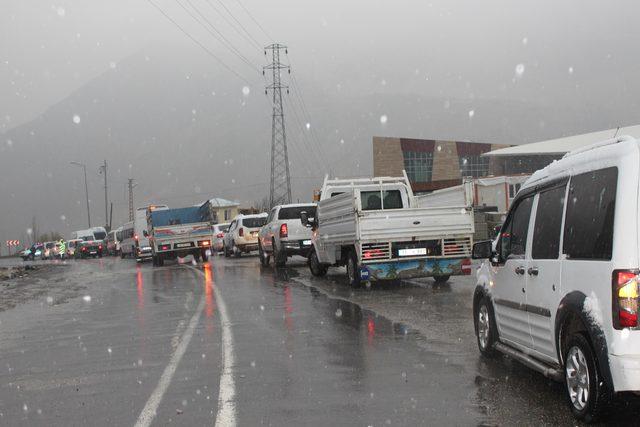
247 247
625 371
296 247
144 252
414 268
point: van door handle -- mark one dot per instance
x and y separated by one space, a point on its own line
519 270
533 271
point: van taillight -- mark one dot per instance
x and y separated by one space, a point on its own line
625 299
241 232
220 235
284 230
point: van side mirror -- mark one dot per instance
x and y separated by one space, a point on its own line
482 250
306 221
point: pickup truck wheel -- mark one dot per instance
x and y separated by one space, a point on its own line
160 260
485 326
196 256
586 391
353 273
317 269
205 257
279 256
154 260
264 257
441 279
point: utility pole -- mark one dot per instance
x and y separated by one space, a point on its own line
280 185
131 186
103 170
86 189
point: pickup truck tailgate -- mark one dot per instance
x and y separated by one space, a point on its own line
415 224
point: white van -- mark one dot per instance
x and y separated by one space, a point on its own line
558 290
135 237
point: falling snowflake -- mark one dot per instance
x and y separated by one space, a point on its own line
525 41
49 300
338 313
383 119
87 298
471 113
342 141
9 143
570 70
519 70
76 119
308 125
63 218
109 350
112 65
61 12
246 91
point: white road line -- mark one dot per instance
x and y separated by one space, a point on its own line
150 409
226 416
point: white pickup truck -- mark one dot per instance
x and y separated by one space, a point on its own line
284 235
379 230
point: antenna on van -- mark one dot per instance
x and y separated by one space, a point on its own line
617 129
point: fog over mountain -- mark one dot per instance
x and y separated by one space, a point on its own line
162 111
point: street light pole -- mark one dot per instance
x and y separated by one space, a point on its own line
86 189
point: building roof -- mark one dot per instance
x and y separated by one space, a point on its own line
218 202
561 146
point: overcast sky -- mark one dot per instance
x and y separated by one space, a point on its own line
577 57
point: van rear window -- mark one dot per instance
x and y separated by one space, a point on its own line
588 229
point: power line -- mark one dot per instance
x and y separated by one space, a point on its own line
217 35
203 47
254 20
246 35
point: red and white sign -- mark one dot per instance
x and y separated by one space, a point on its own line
13 243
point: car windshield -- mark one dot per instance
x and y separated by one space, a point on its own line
99 235
254 222
294 212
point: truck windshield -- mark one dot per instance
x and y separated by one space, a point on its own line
294 212
377 200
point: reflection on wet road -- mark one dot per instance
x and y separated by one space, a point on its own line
111 342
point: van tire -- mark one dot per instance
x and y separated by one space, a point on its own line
236 250
485 327
160 260
226 251
317 269
353 272
580 354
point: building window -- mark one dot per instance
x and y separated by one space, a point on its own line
227 214
513 190
474 166
419 165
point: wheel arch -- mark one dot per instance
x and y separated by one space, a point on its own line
571 318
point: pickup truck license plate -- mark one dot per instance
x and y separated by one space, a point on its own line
183 245
306 242
412 252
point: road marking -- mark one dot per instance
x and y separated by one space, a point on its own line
151 408
226 416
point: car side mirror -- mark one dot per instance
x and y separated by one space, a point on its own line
482 250
145 233
306 221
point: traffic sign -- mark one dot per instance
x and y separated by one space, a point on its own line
13 243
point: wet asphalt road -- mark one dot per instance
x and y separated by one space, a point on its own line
111 342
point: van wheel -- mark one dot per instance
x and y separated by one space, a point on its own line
587 393
236 251
485 325
226 251
265 258
279 256
353 273
160 260
317 269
